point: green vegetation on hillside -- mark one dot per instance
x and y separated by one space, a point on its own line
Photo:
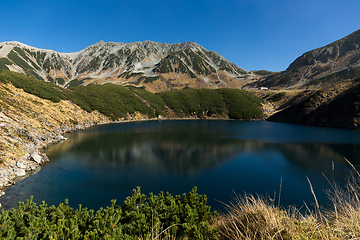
241 104
116 101
277 97
13 56
4 62
151 79
128 75
237 104
281 79
140 217
45 90
262 72
75 83
112 100
155 101
60 81
164 66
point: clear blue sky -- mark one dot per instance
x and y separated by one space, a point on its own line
254 34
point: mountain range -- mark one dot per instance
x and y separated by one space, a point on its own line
320 87
155 66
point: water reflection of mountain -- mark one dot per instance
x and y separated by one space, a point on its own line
183 153
190 152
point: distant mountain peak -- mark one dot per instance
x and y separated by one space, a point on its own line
156 66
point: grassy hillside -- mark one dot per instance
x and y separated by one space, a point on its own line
118 102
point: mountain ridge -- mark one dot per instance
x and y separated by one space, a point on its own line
156 66
323 65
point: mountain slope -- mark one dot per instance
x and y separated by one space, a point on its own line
324 108
334 62
157 66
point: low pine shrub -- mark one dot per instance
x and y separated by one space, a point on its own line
157 216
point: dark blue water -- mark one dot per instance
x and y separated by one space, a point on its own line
220 158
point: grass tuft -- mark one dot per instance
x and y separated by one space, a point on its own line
255 217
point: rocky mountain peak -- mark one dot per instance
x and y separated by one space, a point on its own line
153 65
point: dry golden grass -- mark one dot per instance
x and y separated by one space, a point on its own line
253 217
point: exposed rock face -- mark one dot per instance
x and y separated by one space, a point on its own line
157 66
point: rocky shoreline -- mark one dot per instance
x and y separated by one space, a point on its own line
31 161
28 124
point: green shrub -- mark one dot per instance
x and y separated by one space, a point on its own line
151 79
277 97
139 217
262 72
60 81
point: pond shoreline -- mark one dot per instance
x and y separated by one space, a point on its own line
30 163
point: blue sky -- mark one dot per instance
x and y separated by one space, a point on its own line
254 34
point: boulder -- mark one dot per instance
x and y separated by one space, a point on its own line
20 165
36 158
20 173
